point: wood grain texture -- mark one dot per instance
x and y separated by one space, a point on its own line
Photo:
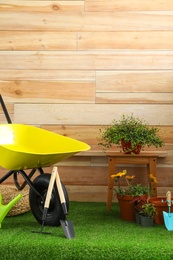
86 21
38 74
134 98
123 5
99 60
125 40
92 114
145 81
42 6
63 91
71 67
11 40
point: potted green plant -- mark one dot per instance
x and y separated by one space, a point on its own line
138 202
147 214
131 133
127 194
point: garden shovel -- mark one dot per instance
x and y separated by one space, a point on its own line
47 201
168 216
66 225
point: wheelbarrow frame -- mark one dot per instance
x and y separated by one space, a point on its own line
38 188
27 178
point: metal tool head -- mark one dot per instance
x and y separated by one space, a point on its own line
67 228
168 219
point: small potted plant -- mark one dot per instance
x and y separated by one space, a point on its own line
138 202
147 214
131 133
126 195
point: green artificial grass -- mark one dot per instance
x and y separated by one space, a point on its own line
98 235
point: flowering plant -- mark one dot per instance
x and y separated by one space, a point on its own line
133 190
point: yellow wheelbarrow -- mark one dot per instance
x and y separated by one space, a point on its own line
27 147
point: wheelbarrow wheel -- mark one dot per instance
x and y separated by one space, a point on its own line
55 211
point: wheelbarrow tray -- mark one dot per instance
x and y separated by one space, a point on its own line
27 147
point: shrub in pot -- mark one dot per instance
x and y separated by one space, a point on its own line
147 214
131 134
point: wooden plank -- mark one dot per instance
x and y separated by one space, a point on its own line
85 183
12 40
90 176
10 110
134 98
161 191
125 40
98 193
87 193
84 161
42 6
38 74
48 91
84 176
87 60
91 133
150 81
90 21
98 158
90 114
95 193
9 106
3 119
123 5
88 134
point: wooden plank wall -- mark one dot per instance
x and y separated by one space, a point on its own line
73 66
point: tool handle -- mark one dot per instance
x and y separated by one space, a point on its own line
50 187
61 194
168 198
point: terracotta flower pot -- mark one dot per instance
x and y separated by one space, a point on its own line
160 205
127 146
126 207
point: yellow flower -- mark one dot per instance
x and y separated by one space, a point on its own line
118 175
128 177
152 178
113 176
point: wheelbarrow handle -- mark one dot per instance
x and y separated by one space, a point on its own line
5 110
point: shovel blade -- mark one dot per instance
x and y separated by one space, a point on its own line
168 219
67 228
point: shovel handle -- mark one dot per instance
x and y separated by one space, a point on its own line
61 194
59 186
168 198
50 187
